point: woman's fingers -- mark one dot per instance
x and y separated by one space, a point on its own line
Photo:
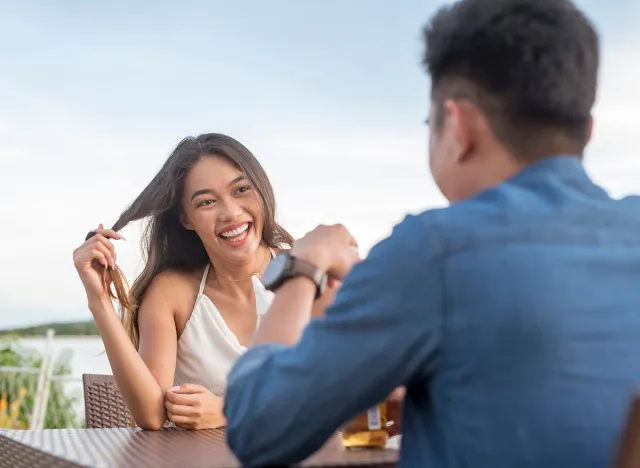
100 257
184 422
182 399
104 241
188 388
97 251
179 410
100 247
177 418
85 255
110 234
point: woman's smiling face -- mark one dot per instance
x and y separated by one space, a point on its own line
220 204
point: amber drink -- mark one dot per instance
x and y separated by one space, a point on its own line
368 429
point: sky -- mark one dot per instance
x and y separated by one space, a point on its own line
330 97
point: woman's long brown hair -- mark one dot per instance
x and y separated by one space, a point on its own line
166 244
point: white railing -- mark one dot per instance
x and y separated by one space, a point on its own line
37 413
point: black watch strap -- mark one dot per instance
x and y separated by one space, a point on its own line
309 270
286 266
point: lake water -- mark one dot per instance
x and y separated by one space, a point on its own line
86 353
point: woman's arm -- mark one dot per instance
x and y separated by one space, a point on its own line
142 376
324 301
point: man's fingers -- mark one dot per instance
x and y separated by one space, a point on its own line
344 261
355 256
345 235
394 430
395 402
398 394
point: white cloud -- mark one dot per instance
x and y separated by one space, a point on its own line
612 157
64 173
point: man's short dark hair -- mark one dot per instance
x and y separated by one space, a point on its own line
530 65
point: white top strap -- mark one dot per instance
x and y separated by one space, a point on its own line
204 280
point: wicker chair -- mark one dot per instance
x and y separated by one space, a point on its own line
628 455
103 404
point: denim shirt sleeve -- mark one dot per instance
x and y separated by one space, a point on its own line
383 330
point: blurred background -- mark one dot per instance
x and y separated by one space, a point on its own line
330 96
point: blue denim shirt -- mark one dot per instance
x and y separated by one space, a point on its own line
513 318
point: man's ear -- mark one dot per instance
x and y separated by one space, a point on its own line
185 222
589 130
462 117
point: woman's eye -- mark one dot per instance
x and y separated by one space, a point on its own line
243 189
205 203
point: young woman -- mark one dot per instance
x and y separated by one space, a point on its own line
193 309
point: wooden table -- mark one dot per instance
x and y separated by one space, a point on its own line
171 448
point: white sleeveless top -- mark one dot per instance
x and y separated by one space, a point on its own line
207 347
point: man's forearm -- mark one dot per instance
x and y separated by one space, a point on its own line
289 313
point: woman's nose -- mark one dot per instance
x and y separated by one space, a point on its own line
230 210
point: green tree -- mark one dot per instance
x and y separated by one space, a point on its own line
21 387
62 329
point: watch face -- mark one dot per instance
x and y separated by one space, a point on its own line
274 273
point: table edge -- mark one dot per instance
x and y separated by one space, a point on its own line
47 458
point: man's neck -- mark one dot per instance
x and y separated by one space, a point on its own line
489 173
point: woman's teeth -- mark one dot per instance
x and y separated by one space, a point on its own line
236 234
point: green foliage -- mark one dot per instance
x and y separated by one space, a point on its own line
21 386
62 329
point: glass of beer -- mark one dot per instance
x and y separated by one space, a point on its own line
367 429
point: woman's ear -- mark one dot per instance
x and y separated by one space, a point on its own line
185 222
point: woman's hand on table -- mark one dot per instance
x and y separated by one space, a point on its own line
191 406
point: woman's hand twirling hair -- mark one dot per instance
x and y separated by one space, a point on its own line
115 282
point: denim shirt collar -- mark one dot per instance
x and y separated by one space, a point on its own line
563 166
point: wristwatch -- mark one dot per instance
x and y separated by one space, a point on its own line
286 266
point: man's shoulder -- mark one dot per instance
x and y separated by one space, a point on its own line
411 239
464 220
509 212
495 213
463 215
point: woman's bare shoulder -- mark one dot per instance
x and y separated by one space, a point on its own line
174 288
